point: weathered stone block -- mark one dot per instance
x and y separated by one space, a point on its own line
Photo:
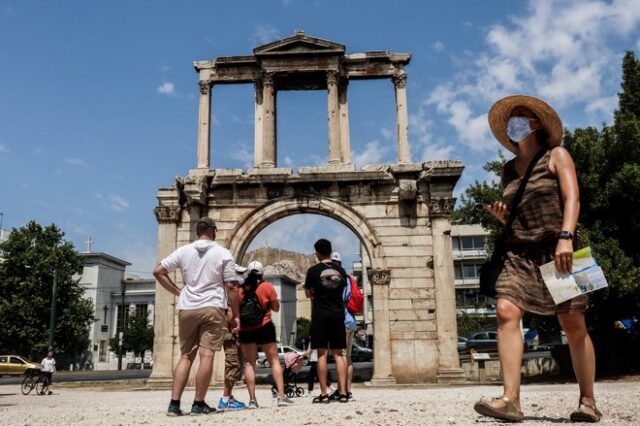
400 304
399 326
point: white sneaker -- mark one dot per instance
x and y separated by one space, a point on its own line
253 405
284 402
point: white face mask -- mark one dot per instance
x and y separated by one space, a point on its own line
518 128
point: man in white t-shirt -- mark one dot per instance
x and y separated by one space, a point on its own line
48 368
207 272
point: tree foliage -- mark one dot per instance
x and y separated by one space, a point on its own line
28 260
138 336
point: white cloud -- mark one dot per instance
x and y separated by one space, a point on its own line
605 105
165 68
288 161
372 153
76 162
387 133
3 148
438 46
167 88
241 153
265 33
113 201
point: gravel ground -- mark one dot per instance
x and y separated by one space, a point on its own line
542 404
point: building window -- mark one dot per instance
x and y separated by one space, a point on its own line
455 242
457 269
123 315
142 311
466 271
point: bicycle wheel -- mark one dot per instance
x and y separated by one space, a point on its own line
27 385
41 384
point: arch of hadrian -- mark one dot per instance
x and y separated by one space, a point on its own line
400 211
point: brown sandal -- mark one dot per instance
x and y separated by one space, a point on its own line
580 415
509 412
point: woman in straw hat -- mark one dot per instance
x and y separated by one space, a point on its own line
542 231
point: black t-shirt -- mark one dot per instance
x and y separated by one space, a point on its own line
327 281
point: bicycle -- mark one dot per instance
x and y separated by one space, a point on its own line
35 379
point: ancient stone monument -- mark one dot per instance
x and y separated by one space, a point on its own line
400 212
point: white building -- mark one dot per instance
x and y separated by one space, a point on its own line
104 282
469 253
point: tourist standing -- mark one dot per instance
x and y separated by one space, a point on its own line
325 284
48 368
543 230
207 272
258 299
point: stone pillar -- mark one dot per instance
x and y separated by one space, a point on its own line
258 141
446 322
204 126
269 152
335 150
165 302
402 117
344 121
382 368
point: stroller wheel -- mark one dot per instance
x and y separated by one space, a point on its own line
274 391
290 392
299 391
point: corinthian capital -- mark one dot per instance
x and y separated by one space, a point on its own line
332 77
205 87
400 80
166 214
441 207
267 78
380 276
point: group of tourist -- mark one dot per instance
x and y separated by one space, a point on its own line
224 306
541 227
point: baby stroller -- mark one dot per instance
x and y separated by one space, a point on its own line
293 362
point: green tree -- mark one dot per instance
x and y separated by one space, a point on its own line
29 257
138 336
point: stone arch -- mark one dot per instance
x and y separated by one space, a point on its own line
258 219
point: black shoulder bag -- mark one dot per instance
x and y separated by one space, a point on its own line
491 269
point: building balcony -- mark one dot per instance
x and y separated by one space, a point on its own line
467 283
469 254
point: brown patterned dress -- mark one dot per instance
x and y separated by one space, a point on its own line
533 241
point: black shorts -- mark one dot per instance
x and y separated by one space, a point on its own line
48 376
328 333
261 336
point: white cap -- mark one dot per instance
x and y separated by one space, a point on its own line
256 266
336 256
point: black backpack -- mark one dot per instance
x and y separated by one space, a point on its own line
251 311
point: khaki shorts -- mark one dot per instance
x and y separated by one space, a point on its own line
347 351
204 327
232 361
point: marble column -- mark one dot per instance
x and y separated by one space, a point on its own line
163 323
269 150
204 126
402 117
382 365
446 322
258 141
335 150
345 142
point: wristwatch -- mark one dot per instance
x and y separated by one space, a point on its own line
565 235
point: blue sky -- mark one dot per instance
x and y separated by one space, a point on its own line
98 100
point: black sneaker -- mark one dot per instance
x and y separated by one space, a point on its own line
349 395
201 409
174 411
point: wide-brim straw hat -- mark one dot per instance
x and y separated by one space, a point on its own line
501 110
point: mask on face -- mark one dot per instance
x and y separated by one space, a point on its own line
519 128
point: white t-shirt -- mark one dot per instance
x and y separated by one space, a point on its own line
48 365
205 266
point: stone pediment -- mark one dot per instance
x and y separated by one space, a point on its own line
299 43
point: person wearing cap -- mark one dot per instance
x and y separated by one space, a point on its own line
233 364
324 284
543 230
257 329
207 273
350 327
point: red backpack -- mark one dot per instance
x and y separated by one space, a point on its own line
355 302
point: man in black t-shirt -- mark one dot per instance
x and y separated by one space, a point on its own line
325 283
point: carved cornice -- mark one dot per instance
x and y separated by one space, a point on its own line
441 207
400 80
166 214
380 276
205 87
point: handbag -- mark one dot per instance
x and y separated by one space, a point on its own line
491 269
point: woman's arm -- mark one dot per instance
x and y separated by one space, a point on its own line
561 165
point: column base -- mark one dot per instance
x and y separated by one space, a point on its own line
269 171
382 381
329 168
160 381
451 376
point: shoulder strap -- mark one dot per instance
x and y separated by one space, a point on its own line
521 188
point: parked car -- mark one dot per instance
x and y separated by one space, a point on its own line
15 365
462 343
483 339
282 350
361 354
